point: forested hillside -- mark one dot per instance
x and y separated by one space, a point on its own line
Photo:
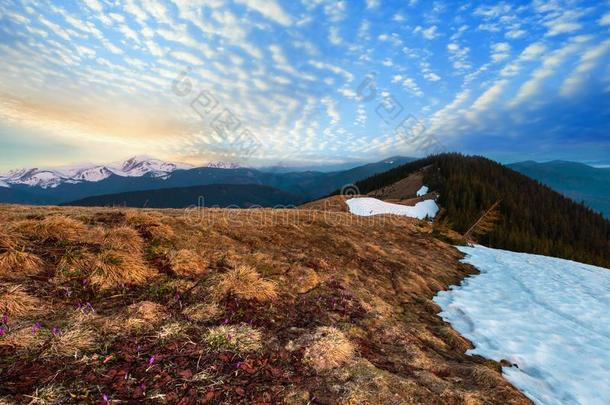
534 218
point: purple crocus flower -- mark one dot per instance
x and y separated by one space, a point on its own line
2 331
105 398
36 327
151 361
5 319
238 364
55 331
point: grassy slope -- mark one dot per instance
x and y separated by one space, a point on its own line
240 306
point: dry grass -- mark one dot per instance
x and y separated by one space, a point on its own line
381 276
71 342
23 339
60 228
48 395
187 263
15 264
202 312
245 282
9 241
123 239
172 330
160 233
111 269
329 349
138 317
74 263
235 338
16 302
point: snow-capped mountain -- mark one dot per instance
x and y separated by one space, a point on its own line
52 177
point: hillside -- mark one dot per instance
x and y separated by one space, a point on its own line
580 182
215 195
231 307
535 219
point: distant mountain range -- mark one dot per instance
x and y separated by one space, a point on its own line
53 177
213 195
580 182
64 185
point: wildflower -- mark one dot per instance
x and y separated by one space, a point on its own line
105 398
151 361
36 327
2 331
5 319
238 365
55 331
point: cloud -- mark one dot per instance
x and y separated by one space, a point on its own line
428 33
270 9
500 51
331 110
605 19
574 82
372 4
187 57
94 5
549 64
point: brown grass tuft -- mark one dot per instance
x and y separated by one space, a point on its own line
74 263
71 342
9 241
15 264
112 269
141 316
61 228
235 338
329 349
123 239
245 282
15 301
202 312
187 263
23 339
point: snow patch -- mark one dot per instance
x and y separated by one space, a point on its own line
550 317
422 191
367 206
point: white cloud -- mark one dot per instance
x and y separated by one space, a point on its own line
270 9
433 77
500 51
334 36
187 57
410 84
587 62
605 19
428 33
372 4
552 61
331 110
335 69
94 5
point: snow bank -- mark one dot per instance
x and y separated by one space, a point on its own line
366 206
422 191
550 317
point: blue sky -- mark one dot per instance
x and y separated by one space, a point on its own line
96 80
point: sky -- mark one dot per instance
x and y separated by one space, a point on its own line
302 81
